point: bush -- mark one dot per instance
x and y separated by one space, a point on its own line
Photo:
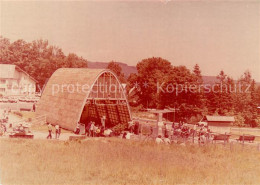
239 121
119 128
18 113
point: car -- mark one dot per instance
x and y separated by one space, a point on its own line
5 100
12 100
21 99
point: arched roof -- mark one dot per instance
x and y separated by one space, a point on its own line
66 92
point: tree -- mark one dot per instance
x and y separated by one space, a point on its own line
197 73
115 67
182 92
37 58
150 73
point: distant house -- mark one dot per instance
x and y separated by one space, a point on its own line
14 81
220 124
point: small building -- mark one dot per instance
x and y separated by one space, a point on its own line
15 82
81 95
219 124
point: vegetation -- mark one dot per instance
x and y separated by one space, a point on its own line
37 58
115 67
112 161
157 84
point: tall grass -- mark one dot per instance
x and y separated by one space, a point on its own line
115 161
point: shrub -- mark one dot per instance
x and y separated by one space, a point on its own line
18 113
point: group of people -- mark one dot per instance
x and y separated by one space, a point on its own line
160 140
4 121
166 132
4 116
57 131
93 130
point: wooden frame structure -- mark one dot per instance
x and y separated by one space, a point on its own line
75 95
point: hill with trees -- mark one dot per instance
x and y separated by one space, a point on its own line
155 81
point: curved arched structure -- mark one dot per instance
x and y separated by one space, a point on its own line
75 95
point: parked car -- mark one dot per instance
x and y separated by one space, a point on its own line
12 100
5 100
22 99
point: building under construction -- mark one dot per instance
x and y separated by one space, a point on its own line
74 95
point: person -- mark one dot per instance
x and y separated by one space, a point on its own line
57 131
102 129
21 128
103 121
124 135
77 130
97 131
167 140
131 126
92 127
107 132
159 140
88 128
33 107
136 128
128 135
50 131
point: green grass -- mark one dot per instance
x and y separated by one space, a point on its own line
116 161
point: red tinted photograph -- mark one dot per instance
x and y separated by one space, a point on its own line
105 92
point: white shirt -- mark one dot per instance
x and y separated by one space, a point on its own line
158 140
128 136
167 140
107 132
92 126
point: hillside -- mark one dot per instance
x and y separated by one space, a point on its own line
126 69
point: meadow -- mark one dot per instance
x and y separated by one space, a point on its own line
116 161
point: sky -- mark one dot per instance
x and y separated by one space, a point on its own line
217 35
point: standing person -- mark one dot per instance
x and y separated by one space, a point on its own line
77 130
34 107
50 131
88 128
103 121
92 126
57 131
136 127
131 126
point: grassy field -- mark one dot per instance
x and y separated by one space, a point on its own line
115 161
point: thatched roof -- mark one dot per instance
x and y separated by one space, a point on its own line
61 103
